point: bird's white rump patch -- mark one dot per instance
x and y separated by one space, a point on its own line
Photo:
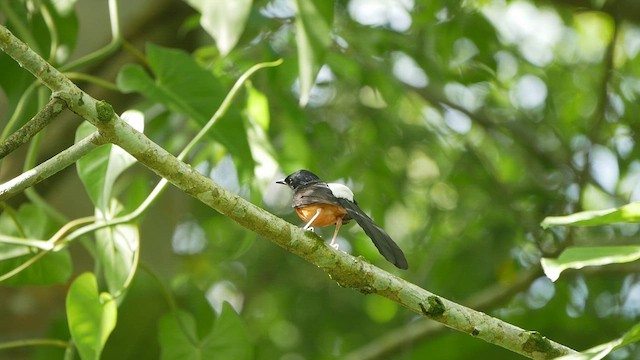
341 191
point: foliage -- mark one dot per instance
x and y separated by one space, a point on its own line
460 126
91 316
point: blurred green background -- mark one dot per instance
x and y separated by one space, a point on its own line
459 125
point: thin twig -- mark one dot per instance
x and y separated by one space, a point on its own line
32 127
50 167
34 342
20 108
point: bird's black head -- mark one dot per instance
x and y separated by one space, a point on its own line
299 178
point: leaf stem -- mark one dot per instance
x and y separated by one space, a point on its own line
33 342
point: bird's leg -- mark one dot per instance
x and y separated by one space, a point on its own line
308 225
333 243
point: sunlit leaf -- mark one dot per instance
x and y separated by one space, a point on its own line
257 125
225 21
579 257
626 213
91 316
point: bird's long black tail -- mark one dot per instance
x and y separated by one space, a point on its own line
386 246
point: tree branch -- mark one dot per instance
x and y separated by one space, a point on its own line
345 269
32 127
394 341
50 167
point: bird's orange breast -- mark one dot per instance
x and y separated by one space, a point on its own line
329 214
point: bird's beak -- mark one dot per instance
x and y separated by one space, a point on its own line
281 182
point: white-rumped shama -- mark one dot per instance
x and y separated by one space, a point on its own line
322 204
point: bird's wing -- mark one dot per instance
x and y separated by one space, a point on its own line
313 194
386 246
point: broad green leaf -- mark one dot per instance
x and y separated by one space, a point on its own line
228 339
116 248
184 87
179 84
626 213
91 316
224 21
178 337
193 300
53 268
32 221
92 168
314 20
602 350
99 169
579 257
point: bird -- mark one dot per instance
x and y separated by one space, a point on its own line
322 204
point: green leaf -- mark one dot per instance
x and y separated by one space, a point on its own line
117 249
228 339
99 169
626 213
53 268
180 83
224 21
602 350
91 316
314 20
579 257
178 336
116 246
186 88
32 220
92 168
